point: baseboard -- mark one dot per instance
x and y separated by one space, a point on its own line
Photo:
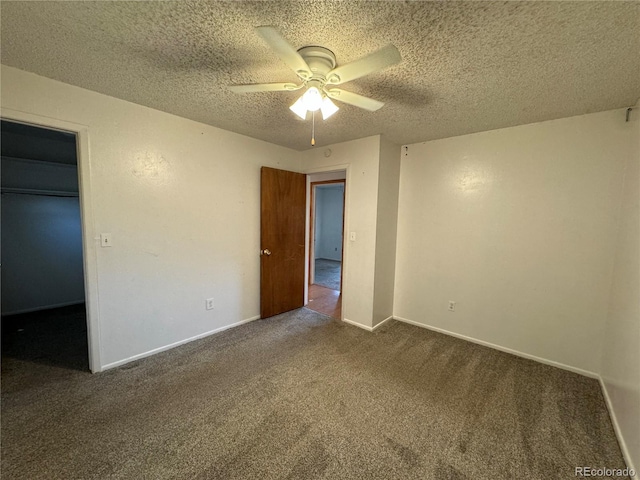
616 428
528 356
359 325
176 344
390 317
366 327
45 307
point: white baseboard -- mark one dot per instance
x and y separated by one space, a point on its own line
176 344
390 317
366 327
359 325
45 307
553 363
616 428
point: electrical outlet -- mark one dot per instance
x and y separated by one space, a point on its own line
209 303
452 306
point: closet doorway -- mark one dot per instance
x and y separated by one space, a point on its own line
326 245
43 292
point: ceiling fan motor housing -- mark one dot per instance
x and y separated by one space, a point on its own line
321 61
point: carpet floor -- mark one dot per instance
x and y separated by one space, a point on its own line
303 396
327 273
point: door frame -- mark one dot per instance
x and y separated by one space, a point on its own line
89 240
346 168
312 225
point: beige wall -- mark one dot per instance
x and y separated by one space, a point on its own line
371 195
167 189
387 219
360 158
621 341
518 226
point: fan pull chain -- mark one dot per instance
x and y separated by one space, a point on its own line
313 129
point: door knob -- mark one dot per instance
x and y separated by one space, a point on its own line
266 252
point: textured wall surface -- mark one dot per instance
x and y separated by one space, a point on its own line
361 158
518 226
386 230
621 341
167 189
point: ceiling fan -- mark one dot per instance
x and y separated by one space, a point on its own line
316 68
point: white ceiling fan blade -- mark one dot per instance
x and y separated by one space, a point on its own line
285 51
264 87
355 99
376 61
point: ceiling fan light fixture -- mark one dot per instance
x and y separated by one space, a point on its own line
328 108
299 109
312 99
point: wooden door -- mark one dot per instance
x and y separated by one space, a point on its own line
282 222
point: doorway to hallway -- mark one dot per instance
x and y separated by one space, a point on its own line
325 258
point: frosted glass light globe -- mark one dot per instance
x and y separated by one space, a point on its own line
312 99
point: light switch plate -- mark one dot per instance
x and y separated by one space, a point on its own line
105 240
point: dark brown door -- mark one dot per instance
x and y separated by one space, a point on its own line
283 197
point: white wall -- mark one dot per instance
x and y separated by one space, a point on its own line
386 230
181 200
369 261
360 158
621 341
328 221
518 226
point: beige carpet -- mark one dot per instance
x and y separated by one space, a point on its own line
303 396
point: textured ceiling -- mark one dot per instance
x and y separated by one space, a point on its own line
467 66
